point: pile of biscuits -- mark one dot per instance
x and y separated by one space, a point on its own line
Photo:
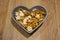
29 20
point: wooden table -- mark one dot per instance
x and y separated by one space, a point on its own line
50 30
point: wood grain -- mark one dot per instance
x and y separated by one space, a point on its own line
57 2
3 13
50 30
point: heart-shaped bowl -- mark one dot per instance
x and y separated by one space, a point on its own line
23 7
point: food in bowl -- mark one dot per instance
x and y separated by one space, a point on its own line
29 20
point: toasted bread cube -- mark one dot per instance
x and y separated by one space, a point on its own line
37 16
17 17
21 13
29 28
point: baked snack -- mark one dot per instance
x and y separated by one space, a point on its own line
29 20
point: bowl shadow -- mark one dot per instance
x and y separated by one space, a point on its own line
21 30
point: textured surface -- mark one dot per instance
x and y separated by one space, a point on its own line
50 30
